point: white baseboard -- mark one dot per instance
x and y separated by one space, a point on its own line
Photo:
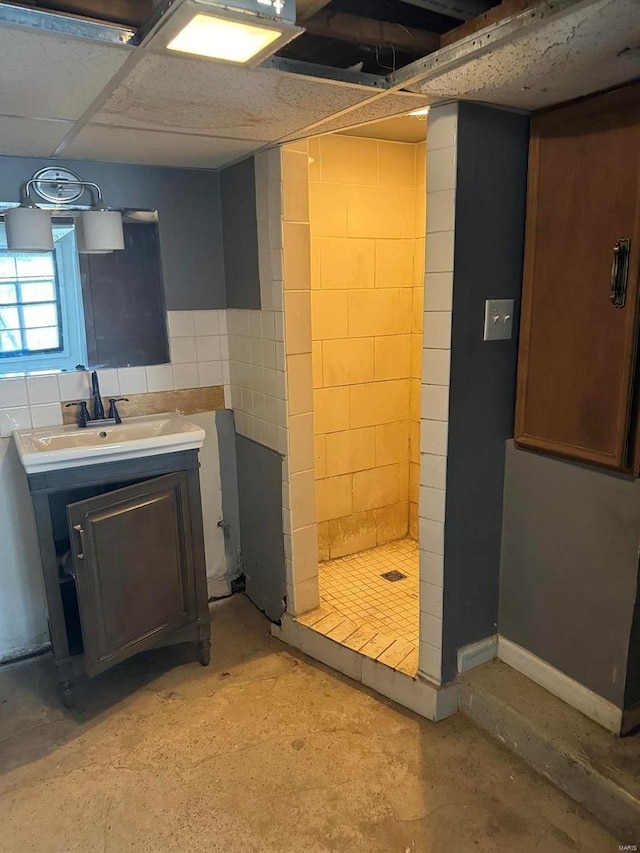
590 704
413 693
478 653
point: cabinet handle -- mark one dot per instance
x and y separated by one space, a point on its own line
620 272
77 529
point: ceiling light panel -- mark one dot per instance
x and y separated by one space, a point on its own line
242 32
186 95
52 76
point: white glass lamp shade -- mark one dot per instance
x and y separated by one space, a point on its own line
81 242
28 229
101 230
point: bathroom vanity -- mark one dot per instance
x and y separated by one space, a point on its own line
119 524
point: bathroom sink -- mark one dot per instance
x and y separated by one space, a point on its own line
52 448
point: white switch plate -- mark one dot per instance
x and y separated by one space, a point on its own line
498 319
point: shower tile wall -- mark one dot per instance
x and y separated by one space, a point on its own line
367 216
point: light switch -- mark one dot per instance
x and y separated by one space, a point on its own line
498 319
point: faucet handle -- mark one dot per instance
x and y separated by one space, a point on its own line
83 414
113 409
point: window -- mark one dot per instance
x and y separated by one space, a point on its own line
41 316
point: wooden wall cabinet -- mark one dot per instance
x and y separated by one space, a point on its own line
135 577
579 325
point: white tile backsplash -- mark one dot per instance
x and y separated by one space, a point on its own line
181 324
159 377
207 322
133 380
13 392
185 376
48 414
42 389
75 385
441 211
208 348
439 252
438 291
182 350
437 329
18 417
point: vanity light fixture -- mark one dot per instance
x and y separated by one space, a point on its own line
29 227
243 32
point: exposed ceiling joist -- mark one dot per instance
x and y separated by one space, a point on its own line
354 29
463 10
306 9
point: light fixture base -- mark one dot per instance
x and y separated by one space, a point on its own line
53 184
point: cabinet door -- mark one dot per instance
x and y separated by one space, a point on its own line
577 349
134 568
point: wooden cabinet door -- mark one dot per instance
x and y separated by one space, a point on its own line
577 350
134 568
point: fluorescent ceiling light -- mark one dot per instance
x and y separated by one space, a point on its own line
223 39
423 111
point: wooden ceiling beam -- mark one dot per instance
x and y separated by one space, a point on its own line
357 30
306 9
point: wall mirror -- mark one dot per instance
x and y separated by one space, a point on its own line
60 309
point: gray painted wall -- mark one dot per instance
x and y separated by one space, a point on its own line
489 245
189 218
240 235
569 573
261 533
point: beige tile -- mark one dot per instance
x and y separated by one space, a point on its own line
323 541
320 443
295 188
305 554
376 487
301 441
316 360
346 263
392 522
303 499
297 313
331 409
329 314
333 497
343 631
392 357
347 361
297 256
306 596
377 645
395 263
372 212
396 652
379 403
415 396
417 309
313 616
315 262
396 164
353 533
328 623
300 383
416 357
360 637
349 160
414 442
413 520
409 665
392 443
315 167
328 210
299 145
350 450
418 262
414 480
380 312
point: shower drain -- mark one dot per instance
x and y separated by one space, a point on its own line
393 576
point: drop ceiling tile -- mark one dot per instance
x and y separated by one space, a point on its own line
27 137
154 148
50 76
573 54
387 106
175 93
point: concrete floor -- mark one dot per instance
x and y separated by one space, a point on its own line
262 751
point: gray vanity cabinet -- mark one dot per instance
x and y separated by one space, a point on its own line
122 551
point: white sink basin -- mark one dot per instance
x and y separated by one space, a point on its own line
52 448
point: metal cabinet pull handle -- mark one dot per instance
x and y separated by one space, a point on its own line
79 551
620 272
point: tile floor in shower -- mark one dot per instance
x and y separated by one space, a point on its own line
364 611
